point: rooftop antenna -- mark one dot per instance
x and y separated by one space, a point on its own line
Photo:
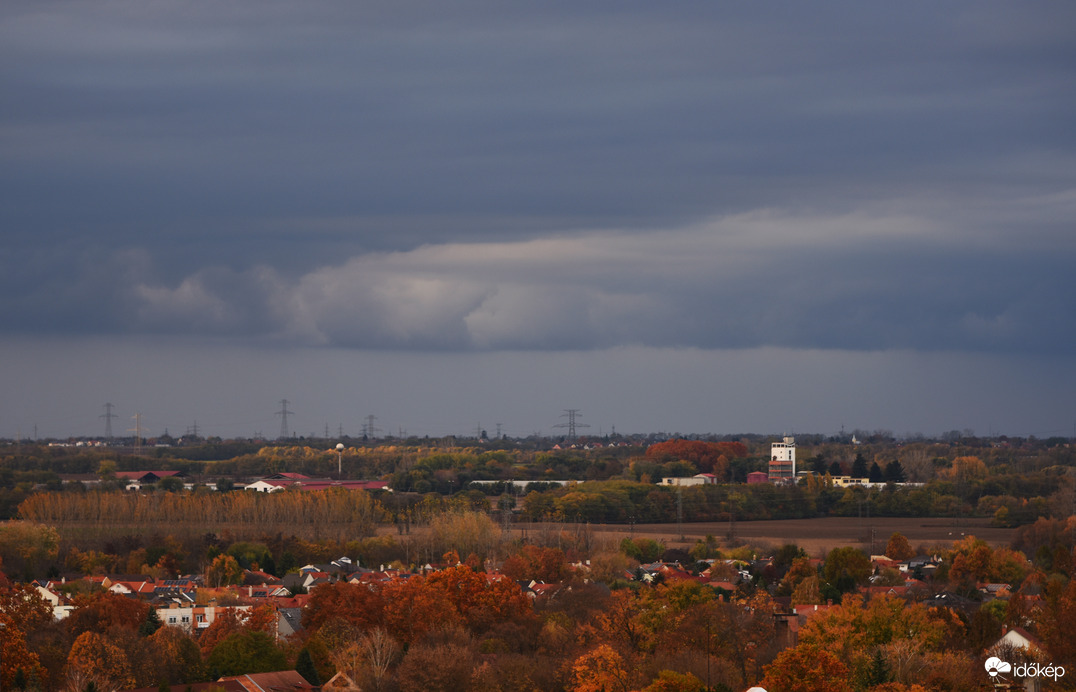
283 413
108 416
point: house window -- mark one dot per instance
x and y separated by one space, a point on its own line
171 620
186 619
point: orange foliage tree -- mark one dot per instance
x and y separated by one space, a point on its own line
481 602
807 669
414 609
601 670
706 456
176 657
360 605
15 656
536 562
898 548
102 611
94 657
1057 620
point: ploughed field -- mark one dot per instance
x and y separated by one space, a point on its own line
819 535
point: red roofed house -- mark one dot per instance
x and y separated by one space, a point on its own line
280 681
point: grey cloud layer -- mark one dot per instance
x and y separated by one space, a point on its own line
745 281
544 176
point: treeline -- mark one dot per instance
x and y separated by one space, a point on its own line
626 501
329 513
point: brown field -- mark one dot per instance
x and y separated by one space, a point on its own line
816 536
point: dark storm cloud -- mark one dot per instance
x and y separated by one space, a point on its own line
548 177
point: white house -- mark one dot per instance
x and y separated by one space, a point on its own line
698 479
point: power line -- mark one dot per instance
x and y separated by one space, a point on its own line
283 413
571 414
108 416
137 430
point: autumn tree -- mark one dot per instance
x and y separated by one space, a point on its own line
93 656
369 659
671 681
706 457
261 618
101 612
964 469
808 591
465 532
601 670
361 605
846 567
853 631
536 562
807 669
16 658
898 548
479 601
226 622
441 666
176 657
1057 620
222 571
416 609
24 607
27 547
800 569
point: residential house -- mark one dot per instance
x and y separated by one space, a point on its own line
280 681
697 479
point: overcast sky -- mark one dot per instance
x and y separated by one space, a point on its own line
693 217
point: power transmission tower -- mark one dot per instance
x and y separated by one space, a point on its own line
137 430
108 416
368 428
498 430
283 413
680 510
571 414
